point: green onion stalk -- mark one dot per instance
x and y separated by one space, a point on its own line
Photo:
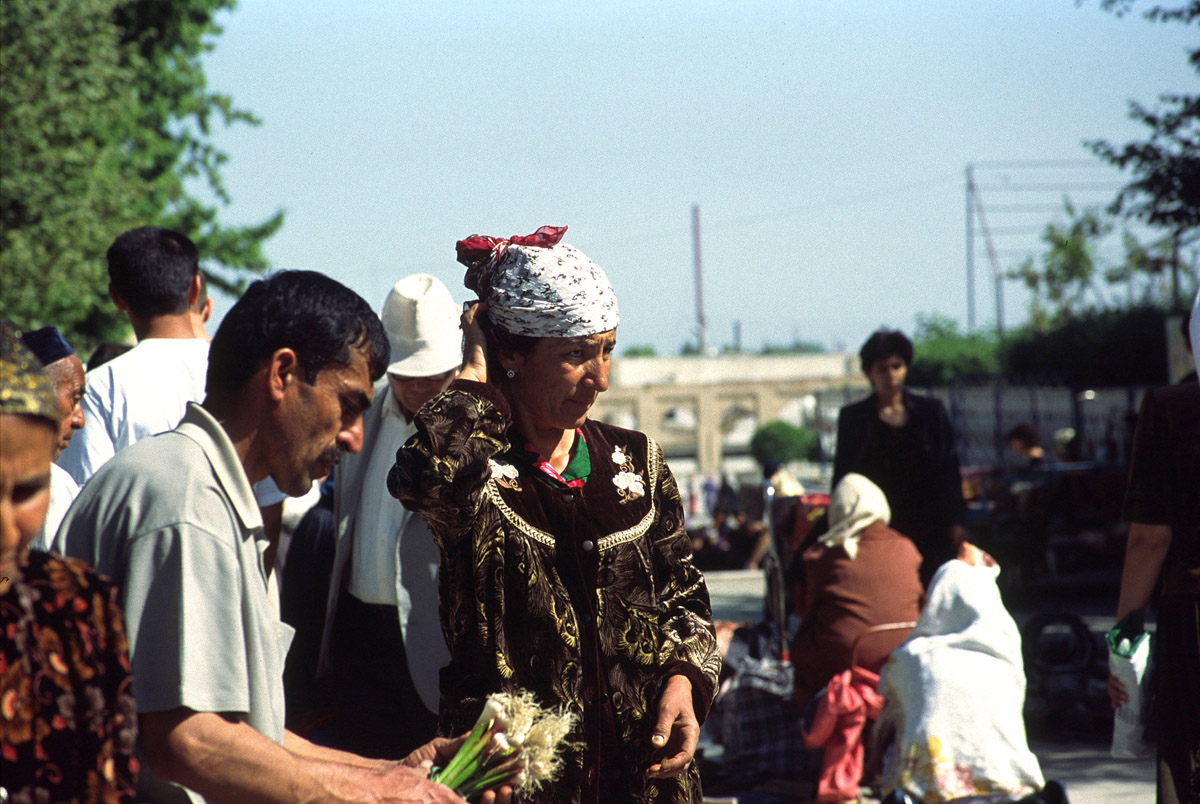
513 741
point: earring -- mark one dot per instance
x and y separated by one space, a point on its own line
510 373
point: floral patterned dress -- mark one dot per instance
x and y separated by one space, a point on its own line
585 596
67 719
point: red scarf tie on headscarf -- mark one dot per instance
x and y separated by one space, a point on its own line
481 254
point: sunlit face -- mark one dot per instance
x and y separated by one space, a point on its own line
26 444
319 422
887 375
67 375
557 382
413 392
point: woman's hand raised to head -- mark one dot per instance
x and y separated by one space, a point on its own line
474 343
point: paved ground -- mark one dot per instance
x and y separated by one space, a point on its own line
1080 758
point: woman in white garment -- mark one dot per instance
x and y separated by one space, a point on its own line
954 694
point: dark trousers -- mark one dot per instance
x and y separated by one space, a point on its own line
379 713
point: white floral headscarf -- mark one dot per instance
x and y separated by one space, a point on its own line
855 504
538 286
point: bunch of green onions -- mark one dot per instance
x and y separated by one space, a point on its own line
514 741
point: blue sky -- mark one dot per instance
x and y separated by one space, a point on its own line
824 143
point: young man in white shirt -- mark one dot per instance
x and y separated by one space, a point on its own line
154 278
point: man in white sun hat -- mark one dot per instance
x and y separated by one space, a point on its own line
383 643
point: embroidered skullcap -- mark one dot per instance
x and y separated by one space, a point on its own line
47 344
856 502
538 286
25 388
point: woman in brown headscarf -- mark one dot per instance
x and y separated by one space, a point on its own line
67 719
565 567
860 574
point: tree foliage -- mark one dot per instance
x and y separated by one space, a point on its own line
941 353
780 442
65 189
1165 190
104 118
1062 279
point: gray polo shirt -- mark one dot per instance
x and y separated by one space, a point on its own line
173 521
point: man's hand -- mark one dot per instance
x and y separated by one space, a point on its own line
972 555
402 784
438 752
677 730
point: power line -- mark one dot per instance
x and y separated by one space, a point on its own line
1065 186
1034 163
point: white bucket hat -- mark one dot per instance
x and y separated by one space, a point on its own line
421 321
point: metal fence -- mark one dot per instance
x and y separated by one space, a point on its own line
1074 424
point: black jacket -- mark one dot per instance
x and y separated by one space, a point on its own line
917 466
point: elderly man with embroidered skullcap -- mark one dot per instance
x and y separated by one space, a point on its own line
66 372
565 570
383 643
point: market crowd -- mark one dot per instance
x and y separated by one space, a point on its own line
476 532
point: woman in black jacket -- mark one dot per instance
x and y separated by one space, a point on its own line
905 444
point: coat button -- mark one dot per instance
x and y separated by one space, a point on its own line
588 546
568 497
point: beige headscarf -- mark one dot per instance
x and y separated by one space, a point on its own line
856 503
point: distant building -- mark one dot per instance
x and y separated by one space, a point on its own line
703 410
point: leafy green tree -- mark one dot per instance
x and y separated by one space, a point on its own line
942 353
781 442
104 115
640 350
66 192
176 115
1062 279
1165 190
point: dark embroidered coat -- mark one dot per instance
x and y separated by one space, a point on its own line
587 597
67 720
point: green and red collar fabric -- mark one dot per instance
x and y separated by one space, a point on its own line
573 475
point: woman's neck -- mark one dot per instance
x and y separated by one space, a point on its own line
555 447
552 443
890 408
892 399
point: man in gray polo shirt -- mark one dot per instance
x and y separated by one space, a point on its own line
172 519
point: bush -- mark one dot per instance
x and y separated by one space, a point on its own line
779 442
1098 347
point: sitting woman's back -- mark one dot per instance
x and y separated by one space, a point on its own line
954 694
862 573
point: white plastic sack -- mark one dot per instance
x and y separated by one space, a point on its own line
1128 660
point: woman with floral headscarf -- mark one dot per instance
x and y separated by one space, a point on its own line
565 567
67 724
